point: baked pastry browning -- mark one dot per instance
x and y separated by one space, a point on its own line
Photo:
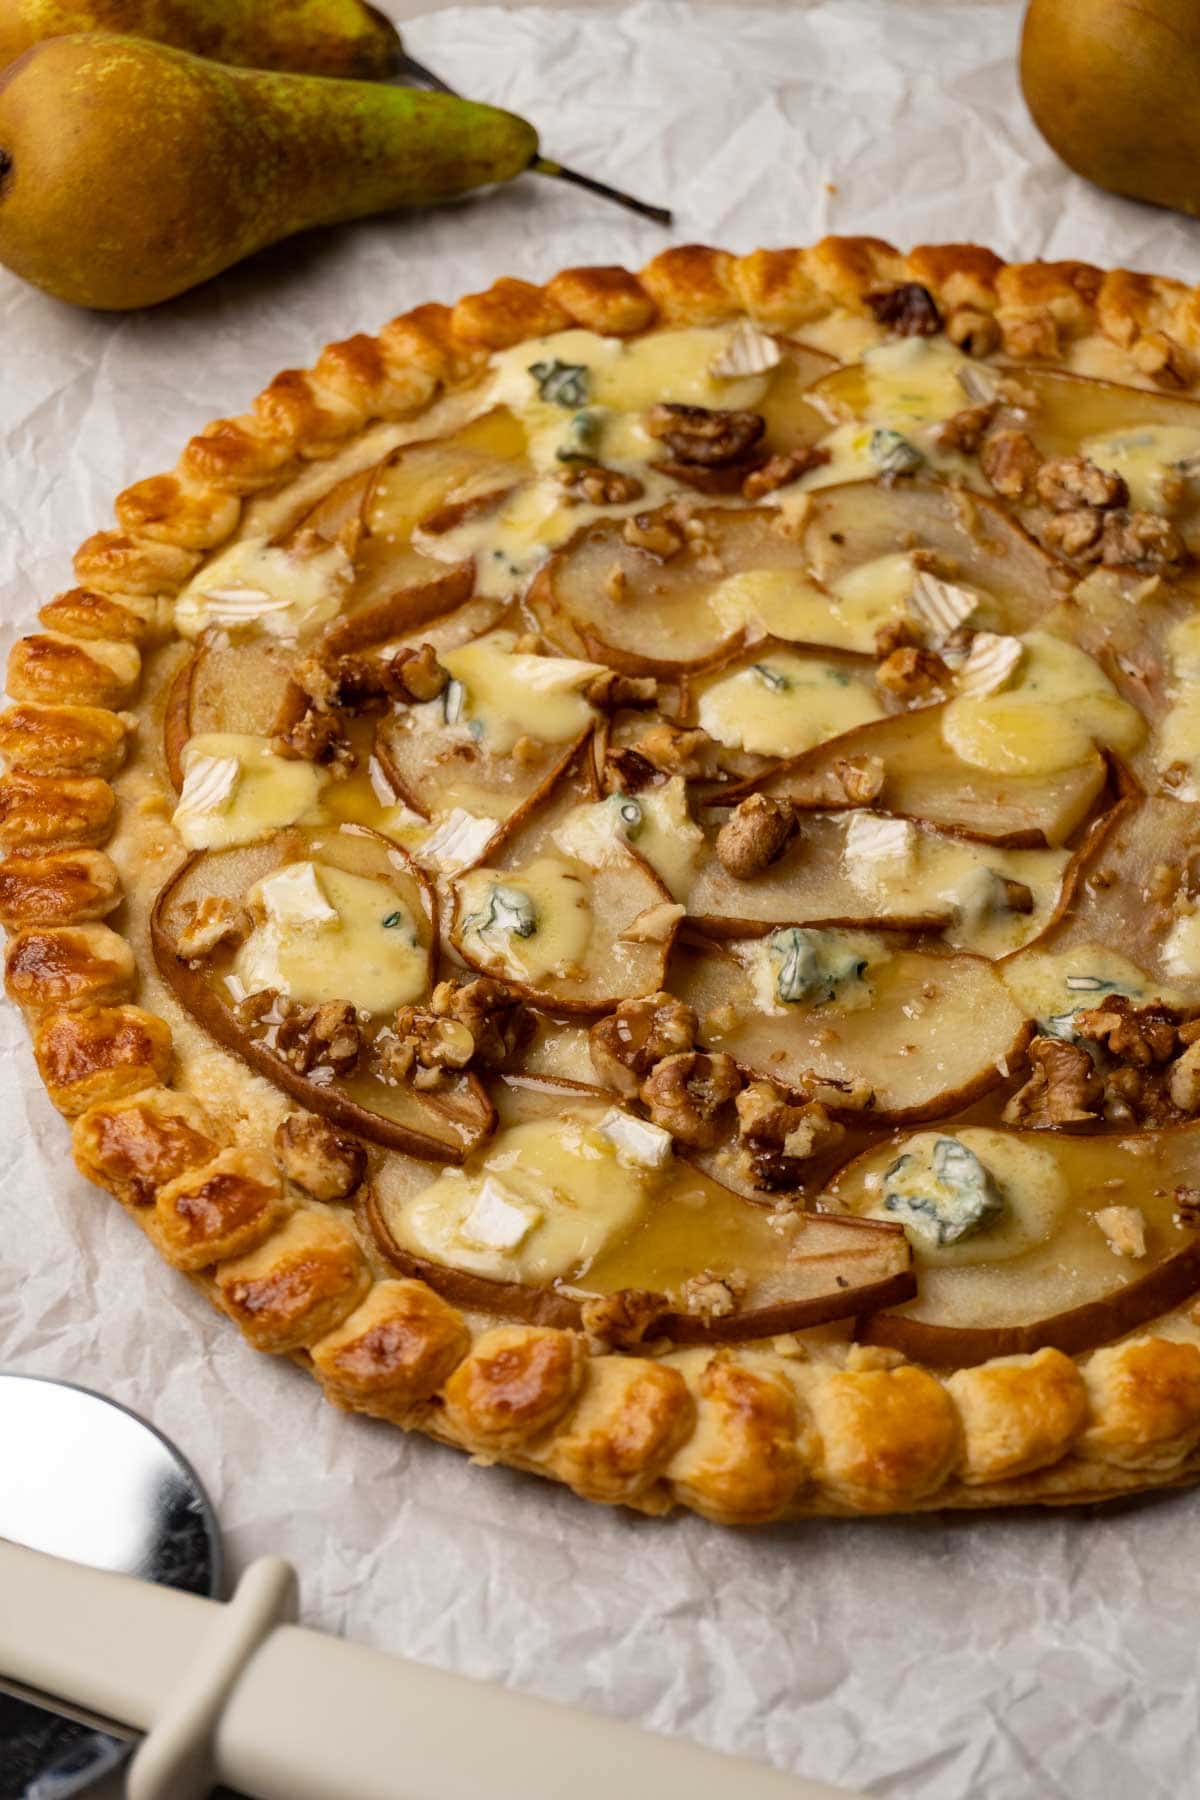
615 871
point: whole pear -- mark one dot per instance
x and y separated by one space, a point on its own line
312 37
1110 86
129 171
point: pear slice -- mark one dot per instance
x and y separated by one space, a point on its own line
552 1214
575 925
226 685
905 875
925 1034
647 615
924 779
778 700
1039 1269
444 1124
971 539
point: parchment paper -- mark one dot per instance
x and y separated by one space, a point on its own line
1022 1655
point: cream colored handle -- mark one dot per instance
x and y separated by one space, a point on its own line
227 1693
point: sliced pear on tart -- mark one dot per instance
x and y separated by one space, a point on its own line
316 917
1024 1239
923 778
863 869
775 701
578 1200
910 1034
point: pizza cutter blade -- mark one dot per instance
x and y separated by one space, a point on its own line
237 1693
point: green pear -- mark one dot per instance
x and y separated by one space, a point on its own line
129 171
1108 84
311 37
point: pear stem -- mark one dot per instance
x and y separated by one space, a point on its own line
543 165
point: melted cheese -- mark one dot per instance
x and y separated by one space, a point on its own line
630 374
1059 706
657 824
509 696
1181 951
1146 456
1052 985
785 704
255 586
800 967
1031 1189
325 934
529 923
542 1203
885 410
265 793
1179 730
786 603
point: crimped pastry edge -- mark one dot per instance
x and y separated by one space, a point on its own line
742 1436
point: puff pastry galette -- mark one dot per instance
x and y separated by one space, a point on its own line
615 871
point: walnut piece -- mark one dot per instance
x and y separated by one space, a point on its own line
677 749
914 677
612 692
1125 1229
713 437
327 1036
755 835
211 921
1142 540
600 486
1077 534
417 674
688 1095
708 1296
1011 461
1063 1089
1140 1035
499 1022
782 469
909 310
965 431
327 1163
317 736
776 1138
1067 482
1184 1082
851 781
657 535
621 1320
627 1043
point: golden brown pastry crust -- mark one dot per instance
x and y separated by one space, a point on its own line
744 1436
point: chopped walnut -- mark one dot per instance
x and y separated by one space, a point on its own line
327 1036
1077 534
611 692
677 749
1184 1081
851 781
211 921
317 737
1011 461
1187 1206
1140 1035
910 310
776 1138
1142 540
1063 1089
626 772
627 1044
914 677
781 470
975 332
265 1006
656 535
1067 482
897 634
689 1094
713 437
616 583
1125 1229
343 683
620 1321
600 486
498 1020
418 673
965 430
325 1162
707 1296
440 1042
755 836
1163 360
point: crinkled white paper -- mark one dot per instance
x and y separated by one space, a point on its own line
1004 1658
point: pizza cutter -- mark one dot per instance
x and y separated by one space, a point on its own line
125 1639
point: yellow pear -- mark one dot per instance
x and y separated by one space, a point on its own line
312 37
129 171
1107 83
